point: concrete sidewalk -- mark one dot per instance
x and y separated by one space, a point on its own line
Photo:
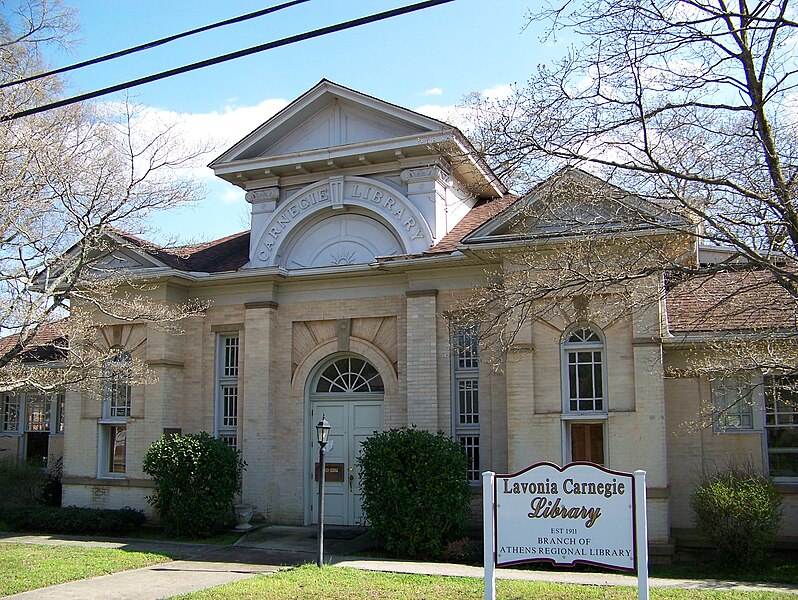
271 548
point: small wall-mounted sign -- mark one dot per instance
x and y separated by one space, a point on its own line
332 472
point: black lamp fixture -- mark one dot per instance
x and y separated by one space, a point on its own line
322 435
322 432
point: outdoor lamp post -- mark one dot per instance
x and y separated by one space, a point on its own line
322 435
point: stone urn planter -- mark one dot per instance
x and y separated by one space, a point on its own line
243 514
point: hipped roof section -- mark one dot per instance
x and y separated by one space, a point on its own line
731 301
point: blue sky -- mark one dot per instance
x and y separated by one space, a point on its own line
425 61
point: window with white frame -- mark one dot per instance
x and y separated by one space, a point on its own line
781 425
583 376
10 418
733 400
584 395
58 412
465 392
227 347
116 408
116 387
36 412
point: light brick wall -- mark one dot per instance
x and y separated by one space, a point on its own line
694 449
422 360
261 343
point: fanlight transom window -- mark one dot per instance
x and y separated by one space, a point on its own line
349 376
582 336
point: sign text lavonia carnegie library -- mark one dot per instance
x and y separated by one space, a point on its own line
582 513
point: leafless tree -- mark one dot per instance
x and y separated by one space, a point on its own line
70 180
689 104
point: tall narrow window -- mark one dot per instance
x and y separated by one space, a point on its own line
117 449
227 389
465 392
9 420
116 392
584 396
57 404
584 351
116 408
781 425
37 413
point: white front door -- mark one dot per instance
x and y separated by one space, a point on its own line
351 421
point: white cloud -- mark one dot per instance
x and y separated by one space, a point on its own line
458 115
231 195
436 91
218 214
216 130
223 128
498 92
443 112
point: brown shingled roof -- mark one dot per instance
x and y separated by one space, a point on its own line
46 345
225 254
730 301
232 252
481 213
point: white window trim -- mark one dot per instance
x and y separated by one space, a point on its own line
565 349
766 450
104 449
458 374
108 395
756 406
221 381
20 402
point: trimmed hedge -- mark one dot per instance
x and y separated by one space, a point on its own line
739 511
71 519
196 477
415 490
20 483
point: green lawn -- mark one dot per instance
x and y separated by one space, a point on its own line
335 583
31 566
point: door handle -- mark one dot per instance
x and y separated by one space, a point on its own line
351 479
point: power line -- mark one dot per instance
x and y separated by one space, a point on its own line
156 43
231 56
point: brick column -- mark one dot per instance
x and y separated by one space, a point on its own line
256 387
519 374
422 366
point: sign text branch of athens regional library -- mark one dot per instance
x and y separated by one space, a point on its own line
579 514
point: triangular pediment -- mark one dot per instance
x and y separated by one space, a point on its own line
573 202
329 116
125 260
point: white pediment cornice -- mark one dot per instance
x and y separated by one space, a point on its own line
333 128
573 202
328 115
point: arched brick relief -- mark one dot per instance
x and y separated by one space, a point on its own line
368 351
378 331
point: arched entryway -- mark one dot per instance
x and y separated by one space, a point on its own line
348 391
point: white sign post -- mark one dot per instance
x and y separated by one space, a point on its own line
581 513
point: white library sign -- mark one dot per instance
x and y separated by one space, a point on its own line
580 513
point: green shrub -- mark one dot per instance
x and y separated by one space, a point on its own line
20 483
739 511
52 488
415 490
74 520
196 477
